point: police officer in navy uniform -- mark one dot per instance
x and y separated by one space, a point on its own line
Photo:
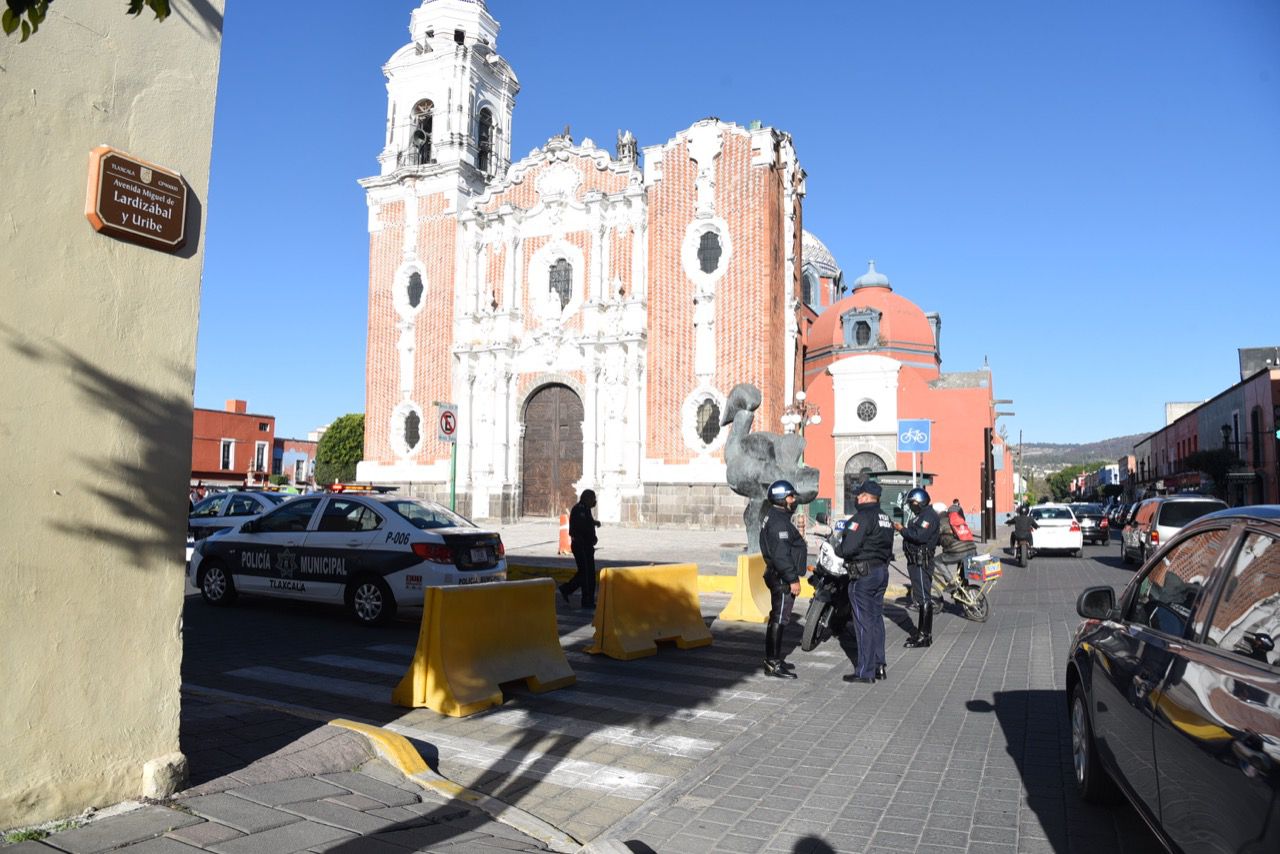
867 546
785 556
919 539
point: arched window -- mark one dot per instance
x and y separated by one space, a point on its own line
484 141
809 288
562 281
855 472
420 137
709 251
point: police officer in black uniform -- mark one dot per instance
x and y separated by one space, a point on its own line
867 546
784 554
919 539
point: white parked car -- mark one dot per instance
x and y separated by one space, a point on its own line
1059 529
372 553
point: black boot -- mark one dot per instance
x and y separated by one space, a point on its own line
923 636
773 663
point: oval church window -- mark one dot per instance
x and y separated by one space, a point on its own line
412 430
708 421
709 252
415 289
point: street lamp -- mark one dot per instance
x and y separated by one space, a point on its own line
798 414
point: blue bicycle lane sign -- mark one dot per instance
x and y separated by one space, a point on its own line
914 435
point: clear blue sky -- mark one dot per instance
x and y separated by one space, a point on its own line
1088 192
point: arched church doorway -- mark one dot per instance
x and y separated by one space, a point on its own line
855 472
551 457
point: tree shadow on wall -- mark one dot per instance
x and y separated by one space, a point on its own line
139 484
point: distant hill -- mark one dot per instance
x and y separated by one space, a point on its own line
1047 455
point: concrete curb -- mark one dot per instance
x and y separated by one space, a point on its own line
399 752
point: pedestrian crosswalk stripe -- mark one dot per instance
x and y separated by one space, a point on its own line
671 745
312 682
557 770
382 694
365 665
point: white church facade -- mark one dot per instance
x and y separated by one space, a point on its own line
587 311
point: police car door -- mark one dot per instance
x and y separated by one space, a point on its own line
336 550
265 557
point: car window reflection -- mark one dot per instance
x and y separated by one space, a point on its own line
1169 592
1247 619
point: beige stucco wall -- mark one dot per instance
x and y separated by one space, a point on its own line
97 364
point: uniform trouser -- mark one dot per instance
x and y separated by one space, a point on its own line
922 595
866 595
780 604
586 577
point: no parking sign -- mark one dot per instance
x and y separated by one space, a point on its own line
447 419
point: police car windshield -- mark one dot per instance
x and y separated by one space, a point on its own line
424 515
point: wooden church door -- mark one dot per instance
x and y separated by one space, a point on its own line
551 461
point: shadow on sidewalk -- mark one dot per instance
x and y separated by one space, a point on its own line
1037 736
263 640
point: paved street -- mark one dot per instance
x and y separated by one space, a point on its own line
697 751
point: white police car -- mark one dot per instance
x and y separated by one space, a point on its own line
371 552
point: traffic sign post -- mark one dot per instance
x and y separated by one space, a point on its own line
915 435
447 421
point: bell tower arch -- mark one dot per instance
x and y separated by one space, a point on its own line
450 95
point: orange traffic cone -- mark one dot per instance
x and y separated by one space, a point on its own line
564 534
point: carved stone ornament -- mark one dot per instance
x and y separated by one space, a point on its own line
558 184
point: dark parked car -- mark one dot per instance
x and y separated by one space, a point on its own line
1093 522
1174 689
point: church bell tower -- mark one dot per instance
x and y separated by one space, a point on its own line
450 96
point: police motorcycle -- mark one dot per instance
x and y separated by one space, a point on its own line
829 609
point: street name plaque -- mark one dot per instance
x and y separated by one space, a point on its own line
134 200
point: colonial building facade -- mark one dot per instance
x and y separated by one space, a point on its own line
586 311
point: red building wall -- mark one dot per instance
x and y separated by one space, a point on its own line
245 429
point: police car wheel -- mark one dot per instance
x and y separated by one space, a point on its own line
216 586
370 601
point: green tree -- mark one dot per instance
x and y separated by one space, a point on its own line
340 448
1060 481
1215 463
26 16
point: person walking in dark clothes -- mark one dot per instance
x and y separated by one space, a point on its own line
867 546
582 542
919 539
785 553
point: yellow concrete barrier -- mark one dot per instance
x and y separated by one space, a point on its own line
475 637
637 606
750 602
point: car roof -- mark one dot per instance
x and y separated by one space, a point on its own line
1256 512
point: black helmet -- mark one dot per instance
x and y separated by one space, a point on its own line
778 492
917 498
1022 509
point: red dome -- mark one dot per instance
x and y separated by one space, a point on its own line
902 329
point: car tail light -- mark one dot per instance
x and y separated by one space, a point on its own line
434 552
1102 524
1075 526
502 550
1155 537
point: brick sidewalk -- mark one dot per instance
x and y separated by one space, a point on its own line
272 783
